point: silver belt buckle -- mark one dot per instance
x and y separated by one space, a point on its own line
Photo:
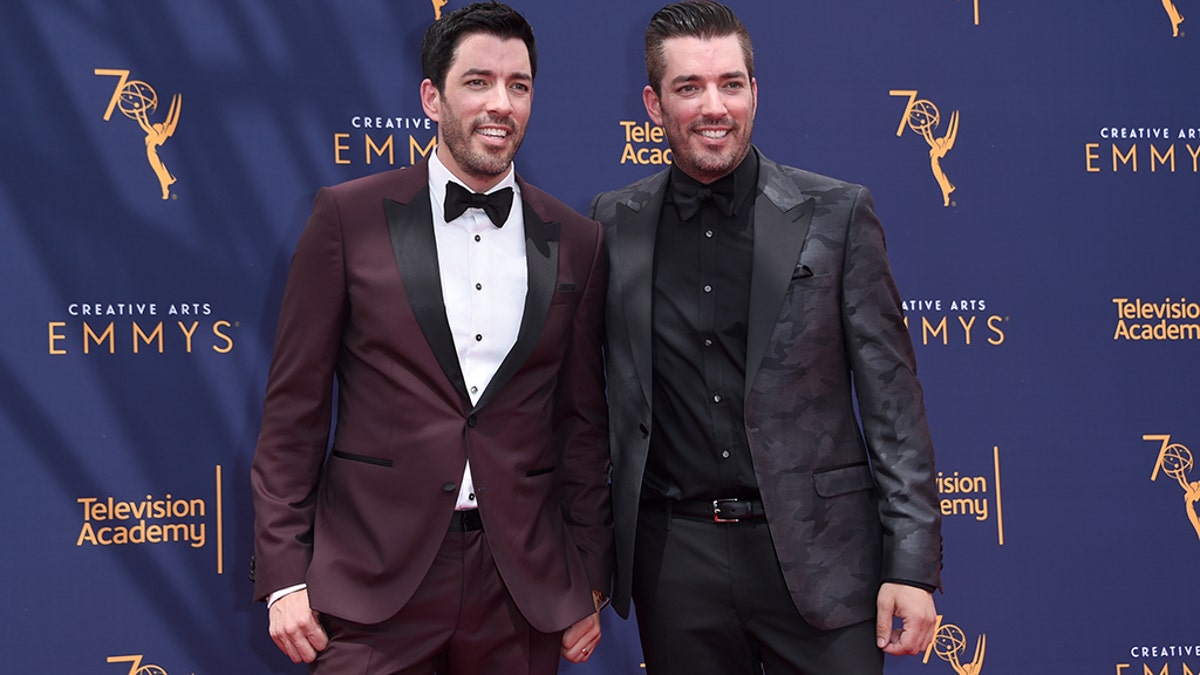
717 511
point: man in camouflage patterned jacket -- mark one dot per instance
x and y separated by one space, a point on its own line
760 523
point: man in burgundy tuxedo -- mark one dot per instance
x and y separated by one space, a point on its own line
460 521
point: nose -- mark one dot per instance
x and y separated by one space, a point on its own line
711 104
499 102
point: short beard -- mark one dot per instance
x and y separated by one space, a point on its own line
483 165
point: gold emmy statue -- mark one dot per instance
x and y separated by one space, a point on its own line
1176 461
137 101
1176 17
949 642
437 9
923 117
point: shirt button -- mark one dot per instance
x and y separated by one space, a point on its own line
478 238
479 287
725 454
478 337
708 233
716 398
472 495
474 390
707 288
707 342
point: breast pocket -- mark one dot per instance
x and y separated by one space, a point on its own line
804 276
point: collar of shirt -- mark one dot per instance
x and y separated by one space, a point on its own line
439 175
744 178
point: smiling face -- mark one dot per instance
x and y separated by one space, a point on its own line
707 104
483 110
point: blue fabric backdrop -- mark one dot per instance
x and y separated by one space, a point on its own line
1050 294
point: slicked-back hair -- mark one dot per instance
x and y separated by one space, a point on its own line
442 38
704 19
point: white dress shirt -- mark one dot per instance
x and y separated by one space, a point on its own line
484 279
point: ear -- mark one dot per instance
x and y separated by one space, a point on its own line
753 97
653 105
431 100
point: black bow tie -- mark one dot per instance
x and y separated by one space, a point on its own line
496 204
689 197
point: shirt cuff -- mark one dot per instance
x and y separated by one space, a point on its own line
282 592
926 587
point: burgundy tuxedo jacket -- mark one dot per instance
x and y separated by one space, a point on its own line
361 522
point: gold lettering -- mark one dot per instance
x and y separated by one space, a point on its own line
1162 159
56 337
139 336
1090 156
967 326
1130 158
927 330
228 340
993 325
188 334
338 148
628 125
414 148
387 145
90 336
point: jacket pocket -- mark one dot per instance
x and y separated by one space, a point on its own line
539 472
843 480
366 459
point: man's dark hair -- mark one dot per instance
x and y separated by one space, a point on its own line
493 18
704 19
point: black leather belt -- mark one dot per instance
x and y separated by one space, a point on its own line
731 510
466 521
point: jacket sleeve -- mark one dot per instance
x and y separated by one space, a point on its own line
298 405
891 404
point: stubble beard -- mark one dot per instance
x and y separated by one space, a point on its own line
707 165
481 164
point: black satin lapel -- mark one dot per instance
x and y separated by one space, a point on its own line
636 232
541 261
778 239
411 228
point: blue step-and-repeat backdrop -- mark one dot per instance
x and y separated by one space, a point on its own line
1036 164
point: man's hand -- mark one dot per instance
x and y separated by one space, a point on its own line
580 640
295 629
914 607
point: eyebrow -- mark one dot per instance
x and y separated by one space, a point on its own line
731 75
475 72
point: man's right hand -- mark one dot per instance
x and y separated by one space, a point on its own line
295 629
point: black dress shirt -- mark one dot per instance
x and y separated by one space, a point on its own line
702 269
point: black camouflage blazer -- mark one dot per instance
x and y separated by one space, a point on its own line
850 500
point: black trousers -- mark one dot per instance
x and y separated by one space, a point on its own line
711 600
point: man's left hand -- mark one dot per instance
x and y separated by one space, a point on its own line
580 640
914 607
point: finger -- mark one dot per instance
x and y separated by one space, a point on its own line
316 635
285 646
894 645
884 634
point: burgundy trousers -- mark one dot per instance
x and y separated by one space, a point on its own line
460 621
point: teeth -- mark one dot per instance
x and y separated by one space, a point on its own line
713 133
495 133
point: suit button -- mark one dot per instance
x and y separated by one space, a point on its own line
471 421
449 487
